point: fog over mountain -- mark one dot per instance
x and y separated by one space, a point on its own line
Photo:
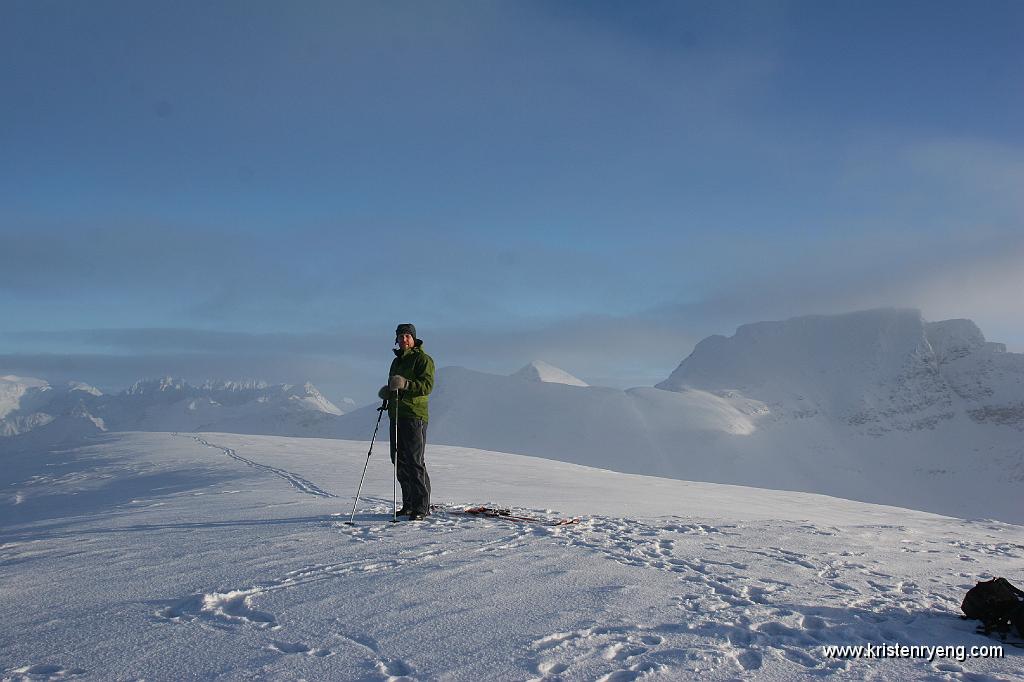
878 405
879 371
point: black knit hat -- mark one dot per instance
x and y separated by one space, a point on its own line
406 328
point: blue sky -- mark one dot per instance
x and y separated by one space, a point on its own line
261 189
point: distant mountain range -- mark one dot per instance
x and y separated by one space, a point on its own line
56 413
879 405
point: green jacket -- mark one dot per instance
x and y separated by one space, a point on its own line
418 368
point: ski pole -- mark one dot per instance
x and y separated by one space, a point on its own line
380 413
394 508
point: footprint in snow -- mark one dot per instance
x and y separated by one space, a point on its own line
630 650
551 667
290 647
748 659
395 669
233 608
298 648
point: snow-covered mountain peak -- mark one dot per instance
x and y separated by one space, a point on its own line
538 370
951 339
84 388
309 395
236 386
161 385
14 388
879 370
31 382
832 361
28 403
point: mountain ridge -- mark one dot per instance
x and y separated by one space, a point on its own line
163 404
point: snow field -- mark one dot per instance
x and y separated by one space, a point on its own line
164 556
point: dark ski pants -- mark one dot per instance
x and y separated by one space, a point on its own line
412 469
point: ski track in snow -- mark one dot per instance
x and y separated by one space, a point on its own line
727 616
236 606
300 483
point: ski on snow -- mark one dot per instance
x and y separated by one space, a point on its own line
500 514
506 515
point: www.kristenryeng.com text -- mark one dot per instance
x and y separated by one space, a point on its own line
930 653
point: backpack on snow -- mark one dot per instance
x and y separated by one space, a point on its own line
997 604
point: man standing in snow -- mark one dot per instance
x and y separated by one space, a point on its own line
410 381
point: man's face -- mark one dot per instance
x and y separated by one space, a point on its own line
405 341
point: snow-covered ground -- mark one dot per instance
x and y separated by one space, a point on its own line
176 556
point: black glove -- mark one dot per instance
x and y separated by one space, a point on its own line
398 382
